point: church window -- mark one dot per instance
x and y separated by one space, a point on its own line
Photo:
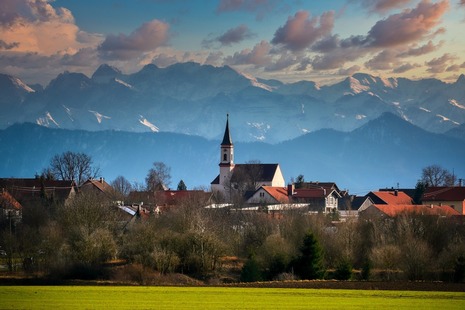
225 157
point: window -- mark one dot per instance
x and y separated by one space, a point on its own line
225 157
262 195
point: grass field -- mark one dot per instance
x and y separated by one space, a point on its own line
147 297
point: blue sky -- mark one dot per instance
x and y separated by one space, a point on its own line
322 41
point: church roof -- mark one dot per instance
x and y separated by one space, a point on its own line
251 172
258 172
227 136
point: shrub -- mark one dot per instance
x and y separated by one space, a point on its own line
343 270
251 271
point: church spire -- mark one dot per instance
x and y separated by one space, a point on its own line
227 135
226 150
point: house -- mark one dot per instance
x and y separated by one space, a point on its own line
316 197
32 191
269 195
452 196
380 211
10 208
100 187
239 178
394 197
319 198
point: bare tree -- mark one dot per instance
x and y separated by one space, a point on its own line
158 176
72 166
435 175
122 186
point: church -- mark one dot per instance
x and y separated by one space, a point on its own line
242 178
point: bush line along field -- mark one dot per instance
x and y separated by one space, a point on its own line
133 297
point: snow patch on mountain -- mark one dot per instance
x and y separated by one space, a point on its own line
68 112
425 109
262 129
46 120
356 86
360 116
22 85
148 124
389 83
124 83
99 116
446 119
456 104
256 83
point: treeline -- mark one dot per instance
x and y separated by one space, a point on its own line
80 239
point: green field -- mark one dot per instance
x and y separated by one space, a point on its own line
147 297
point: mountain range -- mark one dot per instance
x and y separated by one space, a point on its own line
384 152
193 99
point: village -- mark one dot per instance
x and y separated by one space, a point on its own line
249 215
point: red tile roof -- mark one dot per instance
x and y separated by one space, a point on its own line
392 197
8 202
455 193
399 209
167 198
278 193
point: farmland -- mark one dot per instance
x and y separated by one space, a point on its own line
144 297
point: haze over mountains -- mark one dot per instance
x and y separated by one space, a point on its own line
193 99
384 152
364 133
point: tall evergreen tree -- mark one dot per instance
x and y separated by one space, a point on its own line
182 186
309 264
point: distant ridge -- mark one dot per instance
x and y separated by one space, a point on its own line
192 99
379 154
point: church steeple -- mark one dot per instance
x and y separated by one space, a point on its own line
227 149
227 135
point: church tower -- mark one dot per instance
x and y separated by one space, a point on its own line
226 153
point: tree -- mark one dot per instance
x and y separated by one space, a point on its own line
182 186
299 181
251 271
343 270
435 175
158 176
419 191
72 166
309 264
122 186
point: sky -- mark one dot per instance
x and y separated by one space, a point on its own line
316 40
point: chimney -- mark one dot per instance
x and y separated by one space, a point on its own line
101 180
290 189
396 193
